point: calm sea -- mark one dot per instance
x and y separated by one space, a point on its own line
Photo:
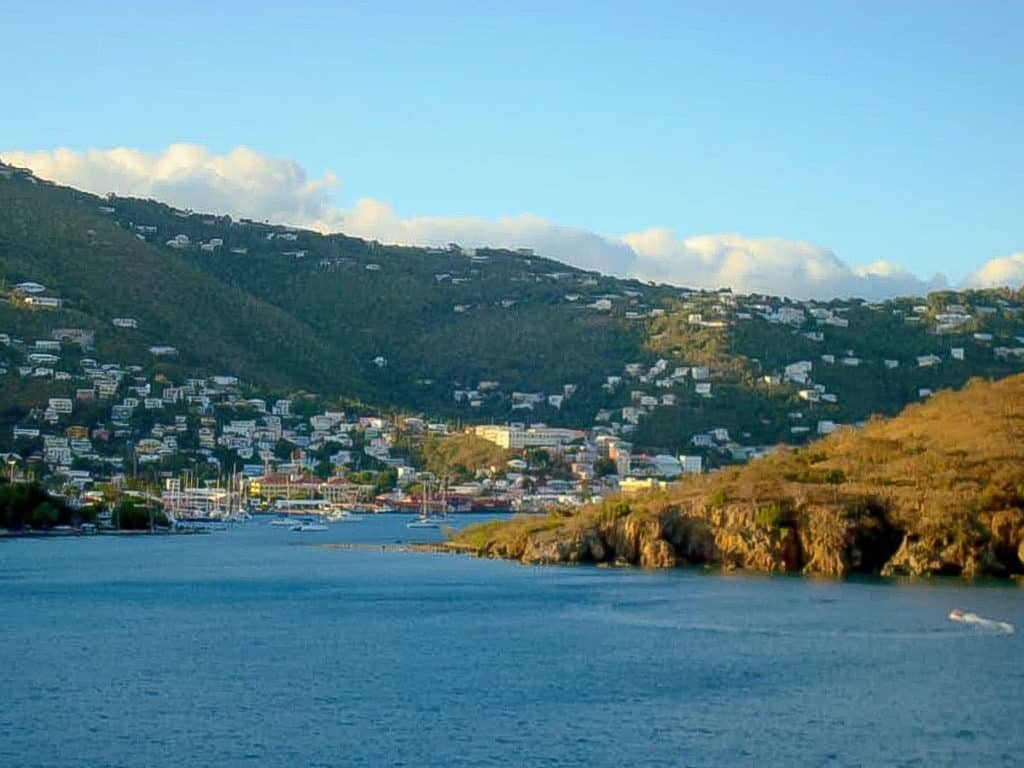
254 647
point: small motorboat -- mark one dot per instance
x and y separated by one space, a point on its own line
967 617
343 516
309 527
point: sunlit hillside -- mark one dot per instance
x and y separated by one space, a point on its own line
938 489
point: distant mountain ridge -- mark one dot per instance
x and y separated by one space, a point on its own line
480 335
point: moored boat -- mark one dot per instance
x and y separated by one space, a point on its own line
309 527
431 515
426 522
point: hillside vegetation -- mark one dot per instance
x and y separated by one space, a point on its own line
459 456
463 333
937 490
287 309
59 237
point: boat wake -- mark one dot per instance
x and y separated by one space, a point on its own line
782 630
966 617
661 621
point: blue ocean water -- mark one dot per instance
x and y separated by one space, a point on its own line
255 647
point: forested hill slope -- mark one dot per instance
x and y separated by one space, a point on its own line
476 334
285 308
62 239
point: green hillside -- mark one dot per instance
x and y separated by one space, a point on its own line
441 318
60 238
457 332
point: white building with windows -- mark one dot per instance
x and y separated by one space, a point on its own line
517 438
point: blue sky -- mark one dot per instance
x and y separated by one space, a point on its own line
882 131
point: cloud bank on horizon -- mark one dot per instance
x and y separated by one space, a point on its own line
246 183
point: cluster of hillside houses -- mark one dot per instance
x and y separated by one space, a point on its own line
668 384
116 420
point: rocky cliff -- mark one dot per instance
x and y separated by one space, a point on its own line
820 539
812 539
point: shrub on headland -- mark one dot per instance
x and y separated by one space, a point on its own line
134 515
778 514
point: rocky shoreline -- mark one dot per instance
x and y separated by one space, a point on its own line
830 540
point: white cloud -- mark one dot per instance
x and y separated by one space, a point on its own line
376 220
246 183
999 272
241 182
767 265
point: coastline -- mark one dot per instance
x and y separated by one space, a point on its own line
719 569
75 533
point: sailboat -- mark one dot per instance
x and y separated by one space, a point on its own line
426 519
